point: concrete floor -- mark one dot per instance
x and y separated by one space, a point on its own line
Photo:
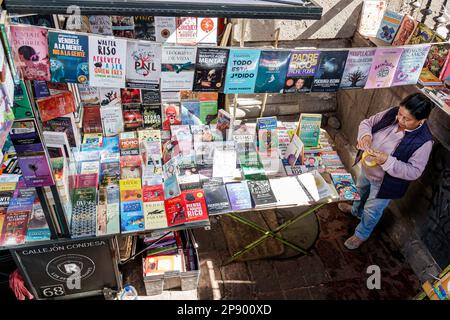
331 272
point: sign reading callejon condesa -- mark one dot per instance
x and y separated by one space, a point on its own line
68 268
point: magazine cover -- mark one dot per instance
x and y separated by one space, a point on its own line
107 61
177 70
302 68
389 26
30 50
371 15
165 29
272 70
152 116
242 70
383 67
210 69
329 72
144 28
406 31
171 114
123 26
143 65
410 65
357 68
186 30
207 30
110 97
101 25
68 57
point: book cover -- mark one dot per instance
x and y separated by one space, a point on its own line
329 71
165 29
132 116
266 123
130 189
22 104
357 68
123 26
107 62
68 57
239 195
89 95
152 116
163 263
155 215
171 187
346 188
153 193
92 122
302 68
208 112
406 31
67 125
389 26
38 229
410 65
36 170
144 28
41 20
445 73
56 106
383 68
310 129
112 120
175 210
437 56
40 89
272 70
130 96
288 191
195 205
371 16
210 69
190 112
242 70
186 30
132 216
224 123
268 142
110 96
171 114
143 65
207 30
177 69
30 49
101 25
150 96
261 192
294 151
84 213
15 227
216 196
423 34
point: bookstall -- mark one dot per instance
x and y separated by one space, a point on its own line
115 126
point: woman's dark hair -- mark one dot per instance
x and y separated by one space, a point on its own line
418 105
28 53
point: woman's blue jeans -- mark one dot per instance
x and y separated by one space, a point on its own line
369 209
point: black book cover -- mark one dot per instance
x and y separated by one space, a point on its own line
152 116
261 193
144 28
329 73
150 96
210 69
132 116
216 196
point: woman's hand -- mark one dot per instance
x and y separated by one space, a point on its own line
378 156
364 143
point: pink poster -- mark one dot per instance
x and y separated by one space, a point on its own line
30 49
383 68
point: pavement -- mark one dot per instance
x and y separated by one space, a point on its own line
330 272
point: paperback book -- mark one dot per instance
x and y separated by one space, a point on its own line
309 129
345 186
239 195
261 192
112 120
177 69
371 16
56 106
123 26
383 68
302 68
357 68
152 116
144 28
329 71
242 71
423 34
155 215
410 65
272 70
143 65
101 25
132 216
186 30
389 26
406 31
210 69
216 196
165 29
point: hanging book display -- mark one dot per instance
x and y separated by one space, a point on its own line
329 71
357 68
383 67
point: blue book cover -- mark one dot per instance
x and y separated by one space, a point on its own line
389 26
242 70
131 216
272 71
267 123
40 89
329 73
111 144
68 57
171 187
239 195
190 112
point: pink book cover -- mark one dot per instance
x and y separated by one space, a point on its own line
30 50
445 73
383 68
